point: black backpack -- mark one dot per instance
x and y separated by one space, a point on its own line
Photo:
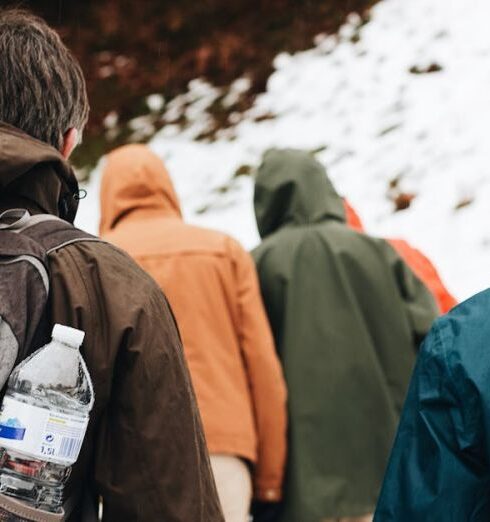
26 243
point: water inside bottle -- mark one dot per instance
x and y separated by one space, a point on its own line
43 421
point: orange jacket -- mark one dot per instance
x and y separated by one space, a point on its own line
211 284
421 265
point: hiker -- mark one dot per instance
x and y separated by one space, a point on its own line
212 287
439 468
144 453
347 316
418 262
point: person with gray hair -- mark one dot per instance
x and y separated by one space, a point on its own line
144 453
43 89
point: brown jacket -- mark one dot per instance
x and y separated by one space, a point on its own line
212 286
144 452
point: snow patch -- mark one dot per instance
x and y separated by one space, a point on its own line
404 96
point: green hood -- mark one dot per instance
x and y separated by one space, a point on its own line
347 315
292 187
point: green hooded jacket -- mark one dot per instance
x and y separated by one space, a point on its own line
347 315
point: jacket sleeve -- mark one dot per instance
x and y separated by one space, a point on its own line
149 455
420 305
265 379
438 470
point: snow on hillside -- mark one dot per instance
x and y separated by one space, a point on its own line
355 99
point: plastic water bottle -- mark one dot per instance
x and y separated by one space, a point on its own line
43 421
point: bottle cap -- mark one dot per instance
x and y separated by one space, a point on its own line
66 335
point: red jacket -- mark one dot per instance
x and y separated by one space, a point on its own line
420 264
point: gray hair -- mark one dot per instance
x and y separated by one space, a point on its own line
42 88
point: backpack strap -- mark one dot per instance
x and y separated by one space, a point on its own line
36 237
12 222
53 233
50 232
24 285
31 239
13 219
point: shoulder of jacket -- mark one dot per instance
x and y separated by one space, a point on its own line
213 237
215 241
463 334
108 260
275 245
87 246
468 319
208 240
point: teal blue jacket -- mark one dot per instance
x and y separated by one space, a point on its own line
439 469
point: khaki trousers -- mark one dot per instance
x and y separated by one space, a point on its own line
234 486
367 518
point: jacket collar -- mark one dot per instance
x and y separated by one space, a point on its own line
35 175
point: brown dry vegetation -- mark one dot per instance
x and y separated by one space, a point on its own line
129 48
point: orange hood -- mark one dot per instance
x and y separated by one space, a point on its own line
135 183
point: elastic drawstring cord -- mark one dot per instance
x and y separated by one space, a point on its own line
80 194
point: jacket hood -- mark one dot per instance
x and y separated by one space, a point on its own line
135 183
292 187
35 175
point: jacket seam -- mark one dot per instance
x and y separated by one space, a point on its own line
437 332
83 284
182 253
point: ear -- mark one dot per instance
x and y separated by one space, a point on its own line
70 140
